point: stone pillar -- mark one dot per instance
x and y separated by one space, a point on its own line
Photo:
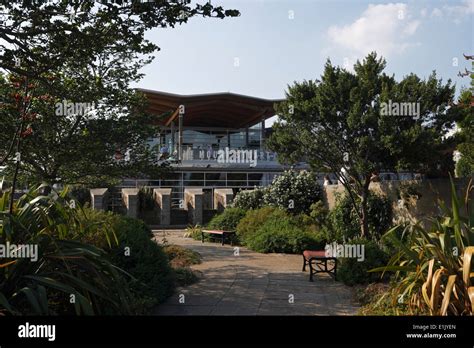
193 203
99 198
163 200
130 199
222 198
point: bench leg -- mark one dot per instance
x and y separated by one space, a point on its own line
202 237
310 270
304 264
223 238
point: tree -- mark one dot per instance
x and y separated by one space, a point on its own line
465 122
363 122
64 142
80 53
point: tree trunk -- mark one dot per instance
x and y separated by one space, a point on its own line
364 218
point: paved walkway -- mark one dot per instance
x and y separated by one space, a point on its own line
251 283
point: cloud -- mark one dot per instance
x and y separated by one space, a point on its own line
436 13
384 28
456 13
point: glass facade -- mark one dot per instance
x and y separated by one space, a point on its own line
215 138
202 144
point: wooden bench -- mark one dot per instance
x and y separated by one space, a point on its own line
223 235
318 263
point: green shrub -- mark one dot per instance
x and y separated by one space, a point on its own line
81 194
464 167
250 199
351 271
193 231
284 236
254 219
146 199
294 191
433 264
318 213
65 266
381 299
181 257
227 220
180 260
345 221
147 262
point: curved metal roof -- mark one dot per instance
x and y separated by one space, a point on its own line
227 110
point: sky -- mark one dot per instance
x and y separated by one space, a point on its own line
276 42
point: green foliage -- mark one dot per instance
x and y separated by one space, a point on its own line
77 60
337 122
254 219
148 272
180 260
250 199
433 265
293 191
283 236
81 194
227 220
64 265
409 190
378 299
193 232
465 167
146 199
152 277
351 271
465 135
318 213
271 229
345 222
181 257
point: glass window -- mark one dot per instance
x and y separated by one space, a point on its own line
255 179
193 179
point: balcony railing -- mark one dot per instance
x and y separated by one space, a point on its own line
226 155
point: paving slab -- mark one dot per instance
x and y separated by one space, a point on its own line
236 281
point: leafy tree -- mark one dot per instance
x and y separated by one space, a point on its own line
340 122
465 136
80 52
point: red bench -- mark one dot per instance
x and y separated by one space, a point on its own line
318 263
223 235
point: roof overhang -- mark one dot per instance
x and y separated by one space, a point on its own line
226 110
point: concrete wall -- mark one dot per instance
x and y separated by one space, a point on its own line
99 198
163 201
222 198
193 203
130 199
432 190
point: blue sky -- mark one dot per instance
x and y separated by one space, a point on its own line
276 42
